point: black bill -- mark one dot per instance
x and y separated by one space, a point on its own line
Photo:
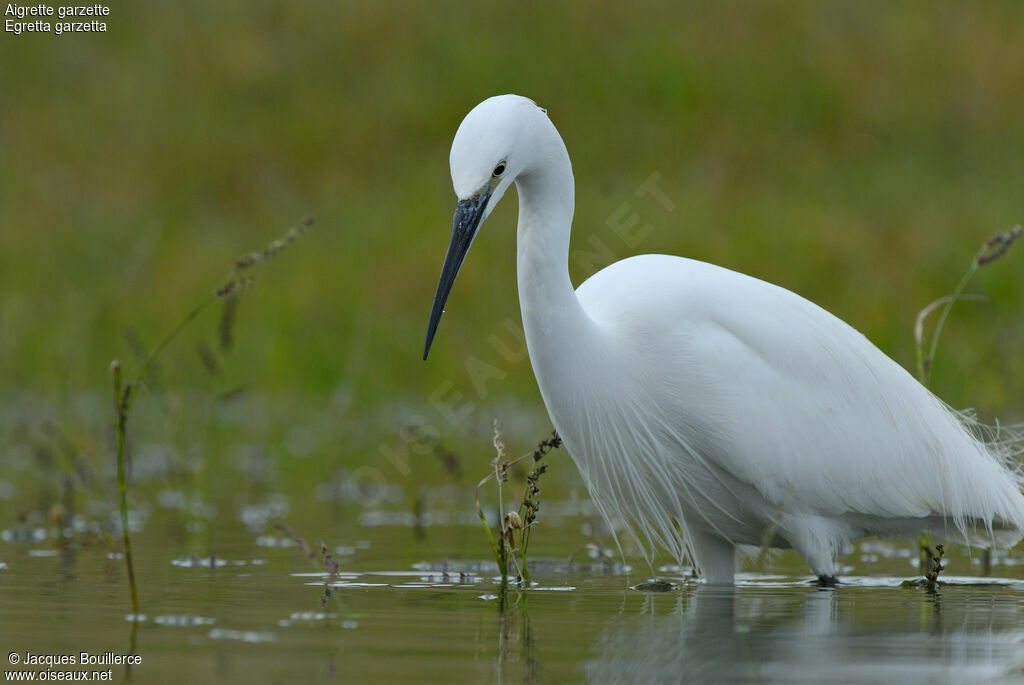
464 226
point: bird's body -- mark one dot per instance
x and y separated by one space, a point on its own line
786 426
707 409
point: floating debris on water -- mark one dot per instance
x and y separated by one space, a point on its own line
347 575
200 562
213 561
306 617
474 567
347 583
488 597
311 615
275 541
444 577
414 586
43 552
537 566
30 535
241 635
182 621
257 516
23 535
656 585
135 618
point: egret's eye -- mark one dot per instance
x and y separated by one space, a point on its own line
499 170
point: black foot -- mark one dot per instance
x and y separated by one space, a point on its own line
827 581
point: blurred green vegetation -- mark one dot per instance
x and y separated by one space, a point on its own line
856 153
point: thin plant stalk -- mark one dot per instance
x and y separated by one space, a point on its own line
524 541
499 474
212 297
924 369
121 398
994 248
499 477
487 528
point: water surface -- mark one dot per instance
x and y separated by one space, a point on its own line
229 542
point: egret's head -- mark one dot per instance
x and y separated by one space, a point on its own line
489 151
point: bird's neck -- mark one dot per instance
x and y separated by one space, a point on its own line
559 334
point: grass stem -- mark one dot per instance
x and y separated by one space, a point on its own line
994 248
122 395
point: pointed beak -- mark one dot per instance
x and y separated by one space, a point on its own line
468 214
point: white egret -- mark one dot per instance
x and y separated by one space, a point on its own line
707 409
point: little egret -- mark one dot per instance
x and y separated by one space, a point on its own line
706 409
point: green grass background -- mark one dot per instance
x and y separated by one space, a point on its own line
856 153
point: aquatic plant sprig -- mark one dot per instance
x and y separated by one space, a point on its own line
513 540
931 566
931 576
530 503
331 566
125 393
500 474
994 248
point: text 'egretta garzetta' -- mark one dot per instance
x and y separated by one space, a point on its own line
707 409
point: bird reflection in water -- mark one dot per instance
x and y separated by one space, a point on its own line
794 634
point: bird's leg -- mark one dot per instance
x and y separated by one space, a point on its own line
715 557
812 537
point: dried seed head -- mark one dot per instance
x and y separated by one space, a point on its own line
998 244
513 521
247 260
499 443
233 287
251 259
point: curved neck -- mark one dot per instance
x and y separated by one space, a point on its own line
557 329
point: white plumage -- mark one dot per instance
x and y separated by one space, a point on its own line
697 399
